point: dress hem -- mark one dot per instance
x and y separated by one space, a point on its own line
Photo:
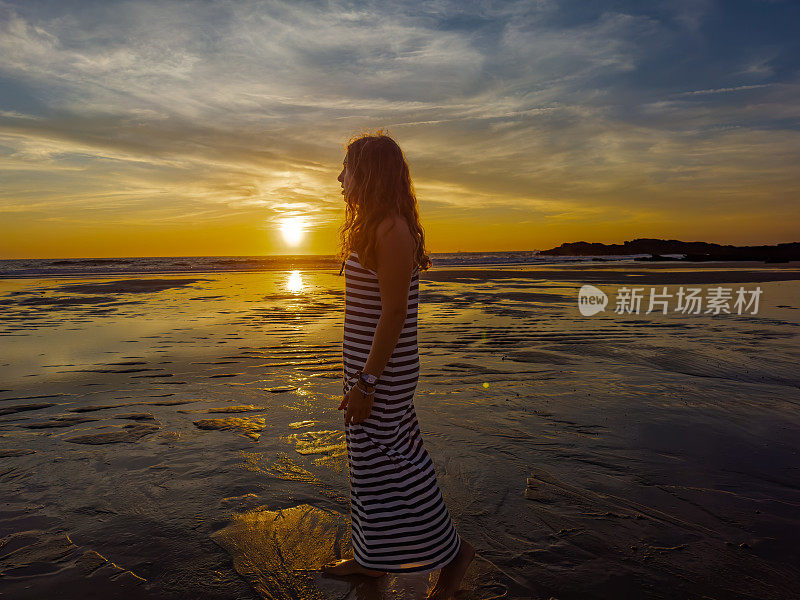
420 569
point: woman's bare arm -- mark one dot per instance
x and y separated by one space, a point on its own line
395 257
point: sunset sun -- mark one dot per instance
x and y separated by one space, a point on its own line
293 230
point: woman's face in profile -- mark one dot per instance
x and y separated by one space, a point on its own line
345 178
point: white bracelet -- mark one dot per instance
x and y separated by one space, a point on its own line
363 391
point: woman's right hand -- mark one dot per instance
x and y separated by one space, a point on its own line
357 405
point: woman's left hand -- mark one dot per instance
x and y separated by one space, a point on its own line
357 404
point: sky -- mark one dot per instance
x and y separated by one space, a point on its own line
202 128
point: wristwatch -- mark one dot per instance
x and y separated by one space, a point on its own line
368 378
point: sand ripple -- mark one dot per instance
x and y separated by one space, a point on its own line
247 426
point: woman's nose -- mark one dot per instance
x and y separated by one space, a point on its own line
341 175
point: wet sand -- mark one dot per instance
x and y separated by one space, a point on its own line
177 436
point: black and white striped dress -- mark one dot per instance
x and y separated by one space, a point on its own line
399 522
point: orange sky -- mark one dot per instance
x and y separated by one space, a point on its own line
133 130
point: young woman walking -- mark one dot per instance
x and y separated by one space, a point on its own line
399 521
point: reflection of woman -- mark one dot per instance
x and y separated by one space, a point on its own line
399 522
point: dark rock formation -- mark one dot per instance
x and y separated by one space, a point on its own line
693 251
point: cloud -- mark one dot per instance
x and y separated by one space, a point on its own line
723 90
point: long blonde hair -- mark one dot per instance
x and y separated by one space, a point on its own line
381 187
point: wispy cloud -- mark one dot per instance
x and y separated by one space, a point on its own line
723 90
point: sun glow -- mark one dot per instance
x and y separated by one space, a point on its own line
293 230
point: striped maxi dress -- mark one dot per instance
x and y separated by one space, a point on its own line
399 522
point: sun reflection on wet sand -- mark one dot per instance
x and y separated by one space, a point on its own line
295 282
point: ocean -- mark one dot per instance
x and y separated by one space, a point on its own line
143 265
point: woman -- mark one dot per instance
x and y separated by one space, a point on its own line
399 522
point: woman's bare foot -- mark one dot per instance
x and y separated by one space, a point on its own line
450 578
348 566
